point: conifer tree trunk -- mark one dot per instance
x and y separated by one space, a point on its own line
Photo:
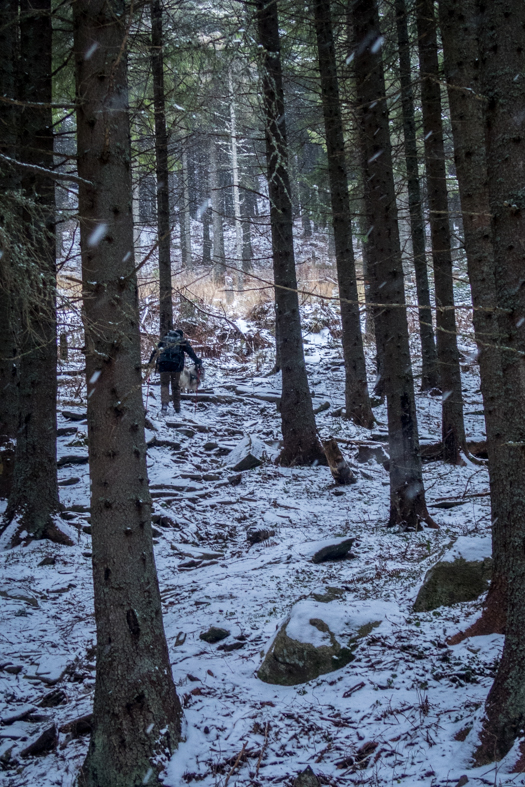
502 56
460 47
236 189
34 501
185 227
407 494
9 181
249 204
206 237
429 365
356 388
453 428
300 442
161 159
218 253
136 709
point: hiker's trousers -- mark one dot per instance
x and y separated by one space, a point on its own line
165 379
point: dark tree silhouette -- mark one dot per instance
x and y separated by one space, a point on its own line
407 494
300 442
136 709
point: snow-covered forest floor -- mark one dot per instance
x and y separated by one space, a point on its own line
403 711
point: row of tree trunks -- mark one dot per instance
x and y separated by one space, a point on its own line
407 495
300 441
453 429
136 710
429 365
356 388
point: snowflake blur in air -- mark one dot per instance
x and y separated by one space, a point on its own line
91 51
97 234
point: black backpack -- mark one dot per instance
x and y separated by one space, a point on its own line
172 351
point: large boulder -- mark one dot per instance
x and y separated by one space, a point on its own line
247 454
463 574
315 639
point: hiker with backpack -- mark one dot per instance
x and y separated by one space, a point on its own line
168 357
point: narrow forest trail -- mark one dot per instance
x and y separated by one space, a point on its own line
407 699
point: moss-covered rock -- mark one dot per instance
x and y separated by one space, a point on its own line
453 581
306 647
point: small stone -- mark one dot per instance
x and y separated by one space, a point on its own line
231 646
74 416
206 730
210 446
45 743
247 454
333 551
155 533
235 480
53 698
49 560
337 492
86 529
78 727
372 452
72 459
462 781
69 481
13 669
256 536
214 634
306 778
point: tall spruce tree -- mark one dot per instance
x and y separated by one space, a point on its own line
161 161
459 32
34 501
136 710
453 428
502 56
429 365
357 402
300 442
407 494
9 218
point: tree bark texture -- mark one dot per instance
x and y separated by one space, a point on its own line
235 186
34 501
502 55
429 364
185 227
453 429
357 402
218 252
161 161
407 495
300 442
206 237
136 710
459 33
9 181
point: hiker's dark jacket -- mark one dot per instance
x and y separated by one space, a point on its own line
172 360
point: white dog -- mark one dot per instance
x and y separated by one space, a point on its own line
189 380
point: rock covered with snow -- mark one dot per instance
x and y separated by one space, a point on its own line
462 574
318 638
247 454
